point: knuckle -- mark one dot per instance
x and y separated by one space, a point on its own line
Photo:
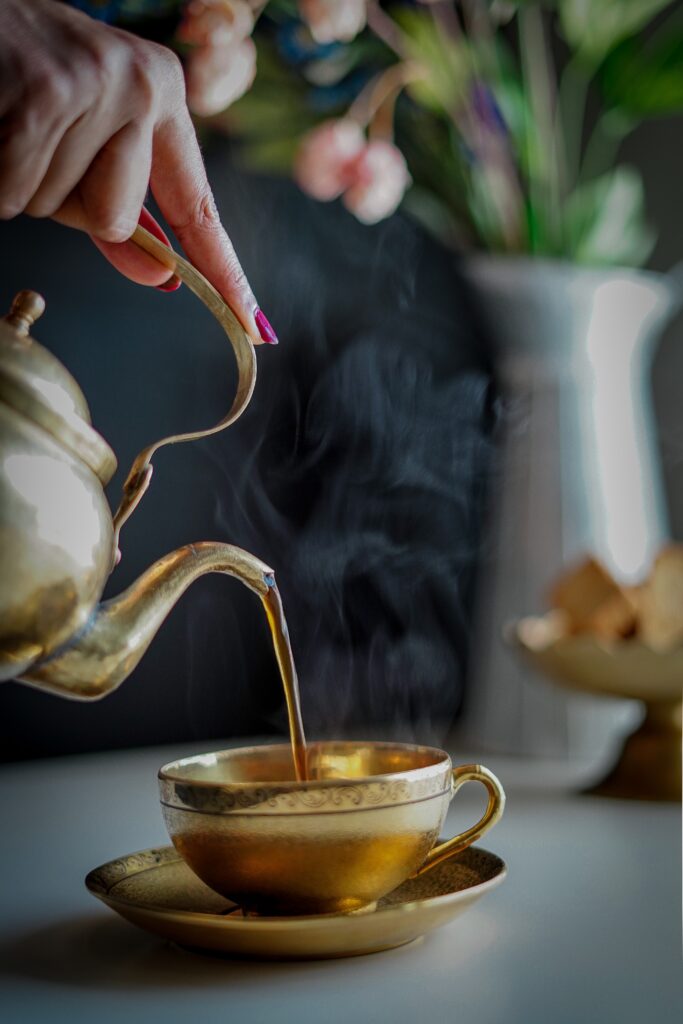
158 75
175 76
109 226
10 207
40 207
115 232
144 89
205 216
105 64
52 88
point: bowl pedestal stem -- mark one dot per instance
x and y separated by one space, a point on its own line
649 766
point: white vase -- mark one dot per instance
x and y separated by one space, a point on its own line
580 474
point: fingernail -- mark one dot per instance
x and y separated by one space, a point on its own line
147 221
172 285
265 330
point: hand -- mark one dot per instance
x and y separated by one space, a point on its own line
90 117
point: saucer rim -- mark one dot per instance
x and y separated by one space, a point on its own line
279 923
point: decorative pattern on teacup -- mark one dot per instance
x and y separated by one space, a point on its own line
304 800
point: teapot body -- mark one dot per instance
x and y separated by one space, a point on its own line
56 531
56 541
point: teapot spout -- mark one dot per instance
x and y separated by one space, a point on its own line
119 631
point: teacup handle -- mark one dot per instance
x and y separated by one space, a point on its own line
492 814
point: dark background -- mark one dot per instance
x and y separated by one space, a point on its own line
358 472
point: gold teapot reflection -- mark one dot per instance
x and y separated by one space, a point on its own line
58 540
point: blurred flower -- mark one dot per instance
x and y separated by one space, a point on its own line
324 164
221 63
216 76
331 20
335 159
380 177
215 23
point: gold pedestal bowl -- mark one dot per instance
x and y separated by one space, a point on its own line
649 765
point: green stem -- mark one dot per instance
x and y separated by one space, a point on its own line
539 85
571 110
382 88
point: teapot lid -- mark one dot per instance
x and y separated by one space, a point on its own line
37 385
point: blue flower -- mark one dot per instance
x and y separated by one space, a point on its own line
102 10
126 10
326 98
297 46
486 109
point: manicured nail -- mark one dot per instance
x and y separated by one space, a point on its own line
147 221
265 330
172 285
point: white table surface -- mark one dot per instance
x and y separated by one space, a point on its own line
586 928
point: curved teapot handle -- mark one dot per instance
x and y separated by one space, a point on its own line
140 472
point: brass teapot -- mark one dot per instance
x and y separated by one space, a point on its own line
58 541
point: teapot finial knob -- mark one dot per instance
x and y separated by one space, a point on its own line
27 307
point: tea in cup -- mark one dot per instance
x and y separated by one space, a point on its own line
367 818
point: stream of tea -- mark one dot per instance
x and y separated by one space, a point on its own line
272 603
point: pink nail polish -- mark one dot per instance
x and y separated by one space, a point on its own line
264 328
172 285
147 221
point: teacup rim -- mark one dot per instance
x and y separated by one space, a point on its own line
166 771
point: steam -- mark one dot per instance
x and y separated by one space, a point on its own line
364 491
358 471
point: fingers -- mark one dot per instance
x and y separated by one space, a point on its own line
109 172
114 187
133 263
128 259
181 189
94 117
136 264
108 201
28 147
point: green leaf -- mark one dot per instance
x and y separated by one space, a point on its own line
645 81
256 116
446 62
604 221
502 11
434 215
594 27
273 156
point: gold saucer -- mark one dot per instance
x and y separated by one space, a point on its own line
157 891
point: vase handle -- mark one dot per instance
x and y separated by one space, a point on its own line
674 278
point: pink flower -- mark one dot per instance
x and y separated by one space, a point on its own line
331 20
324 164
379 179
215 23
216 76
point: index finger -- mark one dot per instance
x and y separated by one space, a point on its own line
181 188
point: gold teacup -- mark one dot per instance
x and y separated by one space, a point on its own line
365 820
